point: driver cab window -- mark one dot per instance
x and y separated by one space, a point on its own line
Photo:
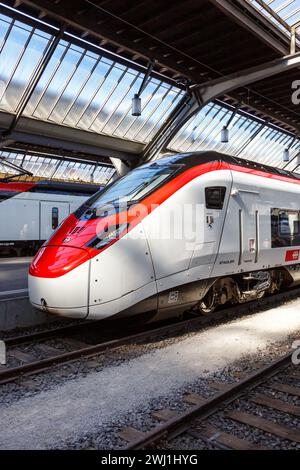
214 197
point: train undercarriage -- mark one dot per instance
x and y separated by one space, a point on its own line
243 288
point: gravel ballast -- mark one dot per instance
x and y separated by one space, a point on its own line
86 405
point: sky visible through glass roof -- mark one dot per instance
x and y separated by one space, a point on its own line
46 167
288 10
86 90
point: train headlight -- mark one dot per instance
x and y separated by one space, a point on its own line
108 236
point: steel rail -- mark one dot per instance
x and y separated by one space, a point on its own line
46 334
182 422
77 327
11 374
14 373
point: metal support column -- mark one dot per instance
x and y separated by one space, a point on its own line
294 28
121 167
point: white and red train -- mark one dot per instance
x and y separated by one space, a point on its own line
30 212
237 238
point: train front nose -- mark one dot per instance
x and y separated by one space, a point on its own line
59 279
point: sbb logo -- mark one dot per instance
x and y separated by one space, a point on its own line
292 255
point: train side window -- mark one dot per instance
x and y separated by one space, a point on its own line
54 218
214 197
285 226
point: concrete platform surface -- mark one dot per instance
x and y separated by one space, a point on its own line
15 308
13 276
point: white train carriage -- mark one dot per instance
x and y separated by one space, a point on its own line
189 231
30 212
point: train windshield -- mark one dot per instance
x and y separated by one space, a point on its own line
135 186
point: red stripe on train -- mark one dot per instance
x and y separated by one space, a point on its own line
65 237
16 187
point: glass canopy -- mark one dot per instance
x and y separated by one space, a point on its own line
253 140
78 88
44 167
287 10
82 88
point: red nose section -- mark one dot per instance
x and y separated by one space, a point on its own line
55 261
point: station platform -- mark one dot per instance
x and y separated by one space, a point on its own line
15 308
13 277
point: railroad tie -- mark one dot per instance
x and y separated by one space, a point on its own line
131 434
265 425
29 384
194 399
276 405
76 343
242 374
92 364
220 386
284 388
21 356
61 373
44 348
220 438
164 415
295 375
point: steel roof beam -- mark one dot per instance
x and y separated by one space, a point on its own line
63 138
56 143
258 112
253 26
273 121
200 95
274 14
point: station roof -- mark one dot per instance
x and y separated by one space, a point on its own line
82 102
196 39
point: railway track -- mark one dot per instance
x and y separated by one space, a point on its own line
196 421
32 354
46 334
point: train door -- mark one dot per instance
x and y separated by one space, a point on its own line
51 215
215 205
248 223
240 243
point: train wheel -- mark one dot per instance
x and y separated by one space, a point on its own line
209 303
261 295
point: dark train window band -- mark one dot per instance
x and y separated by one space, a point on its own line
285 226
